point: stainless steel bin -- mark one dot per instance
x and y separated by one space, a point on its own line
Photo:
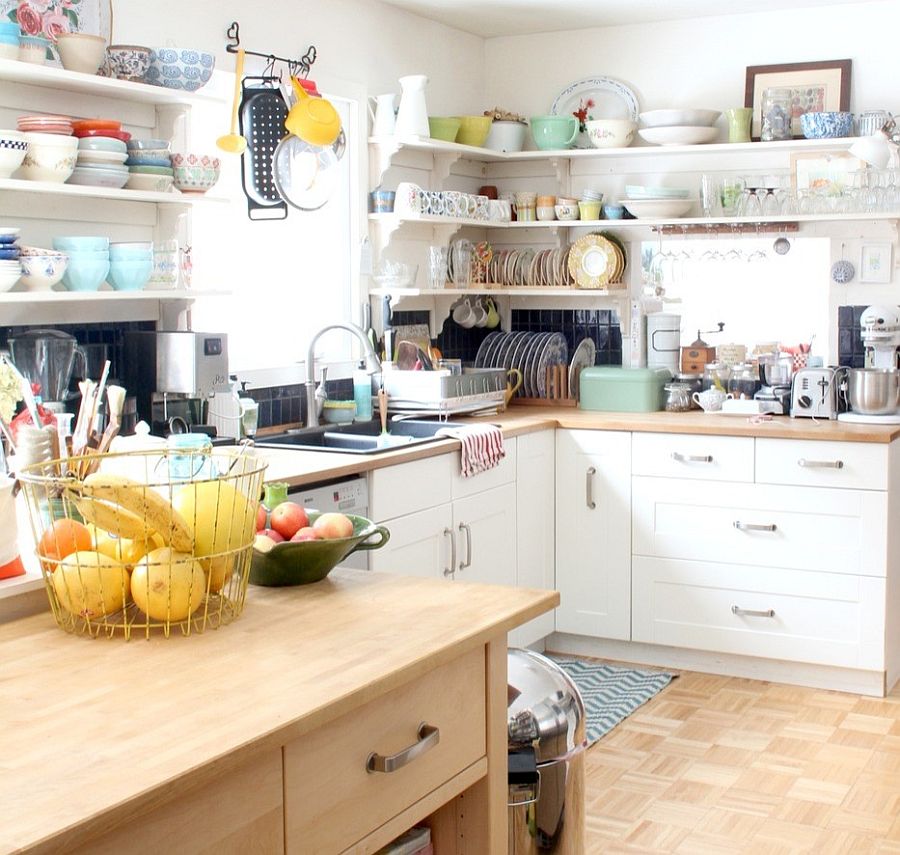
546 719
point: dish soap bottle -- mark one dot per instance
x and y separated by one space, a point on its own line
362 395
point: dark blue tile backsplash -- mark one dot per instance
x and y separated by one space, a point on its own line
851 351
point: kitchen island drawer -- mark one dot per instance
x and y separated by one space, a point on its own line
332 800
805 528
824 618
678 455
816 463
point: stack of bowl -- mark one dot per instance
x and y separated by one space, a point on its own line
108 128
9 40
679 127
41 124
88 261
10 269
100 163
656 202
42 268
51 148
130 265
13 146
149 166
195 173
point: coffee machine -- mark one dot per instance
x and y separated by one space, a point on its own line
173 375
775 373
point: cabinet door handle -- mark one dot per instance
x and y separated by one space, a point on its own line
449 571
691 458
589 488
820 464
464 565
742 526
737 610
427 737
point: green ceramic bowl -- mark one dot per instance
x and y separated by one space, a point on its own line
443 128
312 560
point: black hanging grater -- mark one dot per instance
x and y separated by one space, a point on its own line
262 114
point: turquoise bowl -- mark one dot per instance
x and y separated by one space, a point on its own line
129 275
85 275
87 244
89 254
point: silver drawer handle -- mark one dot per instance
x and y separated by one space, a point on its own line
742 526
691 458
589 488
427 737
737 610
449 571
820 464
464 565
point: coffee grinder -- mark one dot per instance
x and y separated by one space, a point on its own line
173 375
775 374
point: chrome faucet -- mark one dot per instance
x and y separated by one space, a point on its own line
373 365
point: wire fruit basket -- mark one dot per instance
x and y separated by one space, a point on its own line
148 542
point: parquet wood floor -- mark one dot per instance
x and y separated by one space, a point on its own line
718 765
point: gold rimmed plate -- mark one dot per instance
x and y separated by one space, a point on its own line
592 261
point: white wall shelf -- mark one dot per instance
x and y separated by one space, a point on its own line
490 289
79 190
104 296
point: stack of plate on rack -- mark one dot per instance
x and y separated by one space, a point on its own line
525 268
532 353
596 260
656 202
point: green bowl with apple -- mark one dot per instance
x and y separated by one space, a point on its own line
302 562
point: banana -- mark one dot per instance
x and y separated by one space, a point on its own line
112 518
144 502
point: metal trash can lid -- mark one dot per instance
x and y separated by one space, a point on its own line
544 707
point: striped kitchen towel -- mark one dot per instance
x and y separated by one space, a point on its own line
481 447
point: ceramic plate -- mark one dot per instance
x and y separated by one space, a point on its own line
591 261
504 358
490 341
584 356
490 360
657 208
522 360
611 99
514 359
531 368
555 352
683 135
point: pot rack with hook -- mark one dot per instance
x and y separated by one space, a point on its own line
296 67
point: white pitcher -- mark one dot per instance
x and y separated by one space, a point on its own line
412 115
383 115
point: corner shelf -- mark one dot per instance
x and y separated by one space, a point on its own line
12 297
20 185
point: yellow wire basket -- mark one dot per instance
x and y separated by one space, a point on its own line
145 542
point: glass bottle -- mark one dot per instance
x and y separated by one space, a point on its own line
776 114
715 376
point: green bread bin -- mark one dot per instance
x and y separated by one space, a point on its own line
614 389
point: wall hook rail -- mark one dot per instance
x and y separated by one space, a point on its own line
297 67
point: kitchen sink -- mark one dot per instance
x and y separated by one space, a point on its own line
359 438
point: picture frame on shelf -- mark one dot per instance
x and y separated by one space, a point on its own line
875 262
817 87
829 172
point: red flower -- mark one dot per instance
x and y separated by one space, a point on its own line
29 21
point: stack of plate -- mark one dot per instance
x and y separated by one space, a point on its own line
596 260
679 127
150 165
45 125
101 154
10 268
531 353
525 268
656 202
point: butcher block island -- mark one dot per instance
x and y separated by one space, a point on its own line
256 737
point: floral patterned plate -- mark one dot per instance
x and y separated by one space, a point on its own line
595 98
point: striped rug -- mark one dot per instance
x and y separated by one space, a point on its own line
610 693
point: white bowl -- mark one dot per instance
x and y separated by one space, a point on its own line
610 133
42 272
81 51
10 159
657 208
8 279
506 136
151 183
680 135
675 118
88 177
637 191
50 157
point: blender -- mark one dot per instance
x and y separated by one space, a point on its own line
775 374
46 358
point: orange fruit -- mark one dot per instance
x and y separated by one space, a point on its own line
63 538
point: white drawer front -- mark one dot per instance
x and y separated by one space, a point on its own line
503 473
838 531
809 463
824 618
679 455
410 487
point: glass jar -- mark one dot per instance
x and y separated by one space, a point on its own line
678 398
716 376
775 121
694 383
744 381
189 456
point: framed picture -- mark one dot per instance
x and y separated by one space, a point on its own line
828 172
49 18
815 87
875 263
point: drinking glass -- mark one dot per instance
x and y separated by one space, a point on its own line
731 190
437 267
462 263
711 195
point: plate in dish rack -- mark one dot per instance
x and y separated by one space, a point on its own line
601 98
592 261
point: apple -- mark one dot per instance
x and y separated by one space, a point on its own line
288 518
261 515
305 533
271 534
263 543
333 526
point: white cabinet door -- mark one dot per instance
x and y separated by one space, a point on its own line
593 533
486 536
535 521
420 544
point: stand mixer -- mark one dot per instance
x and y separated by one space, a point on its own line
874 391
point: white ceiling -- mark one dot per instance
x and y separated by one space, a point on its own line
489 18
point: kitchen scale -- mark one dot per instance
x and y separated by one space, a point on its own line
881 336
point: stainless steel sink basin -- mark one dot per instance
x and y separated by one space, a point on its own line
358 438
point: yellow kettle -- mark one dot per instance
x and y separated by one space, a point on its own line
313 119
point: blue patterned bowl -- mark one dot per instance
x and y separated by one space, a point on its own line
820 126
178 68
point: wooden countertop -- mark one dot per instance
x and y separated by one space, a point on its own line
94 731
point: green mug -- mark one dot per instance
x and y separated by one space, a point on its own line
553 132
739 119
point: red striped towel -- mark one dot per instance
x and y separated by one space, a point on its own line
481 447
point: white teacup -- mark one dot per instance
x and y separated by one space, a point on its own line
481 314
464 314
499 210
711 400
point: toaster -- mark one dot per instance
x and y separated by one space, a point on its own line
817 393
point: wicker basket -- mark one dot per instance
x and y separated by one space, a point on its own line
147 543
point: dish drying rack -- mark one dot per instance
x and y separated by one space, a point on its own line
441 392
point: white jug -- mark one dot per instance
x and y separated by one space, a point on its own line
412 115
383 115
